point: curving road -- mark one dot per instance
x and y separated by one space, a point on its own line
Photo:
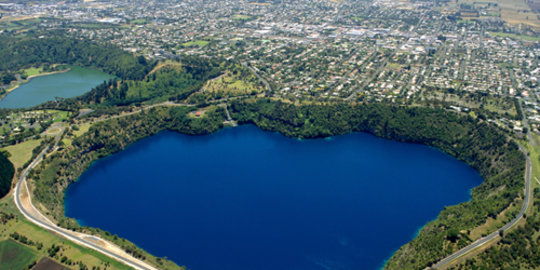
24 204
494 235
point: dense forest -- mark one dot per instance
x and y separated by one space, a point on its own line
17 53
490 152
6 174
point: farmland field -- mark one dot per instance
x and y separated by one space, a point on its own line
15 256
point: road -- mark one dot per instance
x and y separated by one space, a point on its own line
370 79
524 121
229 118
23 201
526 125
261 79
357 89
24 204
494 235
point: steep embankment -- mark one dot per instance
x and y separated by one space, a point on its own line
495 157
66 165
486 149
6 174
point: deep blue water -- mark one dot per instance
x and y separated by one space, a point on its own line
73 83
247 199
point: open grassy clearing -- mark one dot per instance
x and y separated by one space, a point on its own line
241 17
517 11
22 152
42 241
83 128
535 160
511 11
67 141
166 63
139 21
33 71
196 43
46 263
493 224
492 104
229 85
11 23
59 116
515 36
520 17
14 255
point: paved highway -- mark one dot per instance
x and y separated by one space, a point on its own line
494 235
86 240
31 213
35 217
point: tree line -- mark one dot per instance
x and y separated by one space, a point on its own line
486 149
18 53
6 173
174 81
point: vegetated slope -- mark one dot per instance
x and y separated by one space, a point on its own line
23 52
486 149
169 82
518 249
6 174
65 166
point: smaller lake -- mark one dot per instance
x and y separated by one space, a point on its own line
247 199
73 83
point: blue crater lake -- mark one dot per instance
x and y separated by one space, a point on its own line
75 82
247 199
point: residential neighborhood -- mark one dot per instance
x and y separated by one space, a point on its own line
406 52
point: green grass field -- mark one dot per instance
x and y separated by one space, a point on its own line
231 86
74 252
197 43
535 160
515 36
33 71
139 21
15 256
241 17
59 116
22 152
83 128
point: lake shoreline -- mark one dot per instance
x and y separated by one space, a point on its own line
162 120
36 89
250 129
27 80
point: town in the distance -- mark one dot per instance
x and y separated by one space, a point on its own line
465 55
461 76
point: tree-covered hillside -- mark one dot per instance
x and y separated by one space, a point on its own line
6 174
518 249
23 52
486 149
174 80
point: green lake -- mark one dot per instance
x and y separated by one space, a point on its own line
75 82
